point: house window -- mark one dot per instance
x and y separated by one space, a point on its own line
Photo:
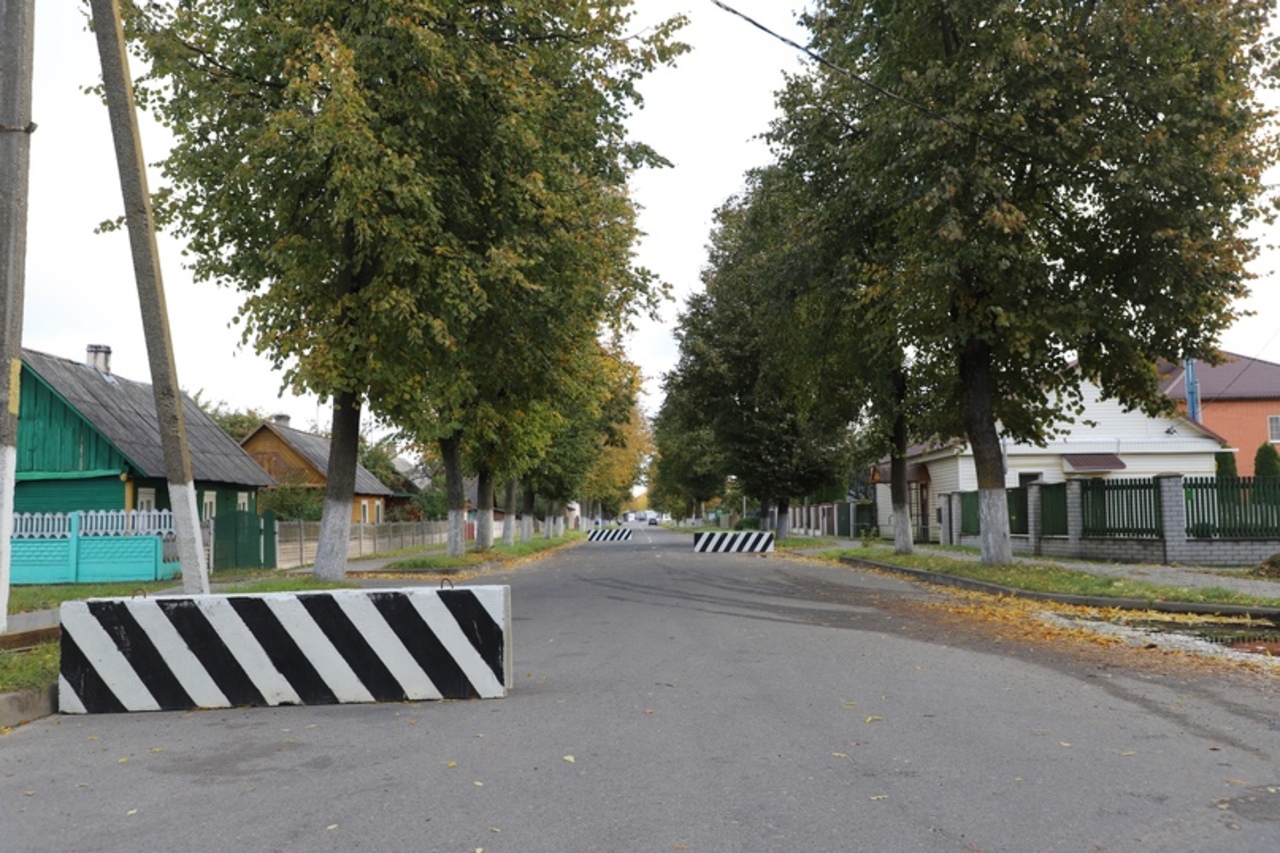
147 499
1273 428
242 501
209 505
377 512
364 512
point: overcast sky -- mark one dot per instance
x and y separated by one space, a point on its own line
703 115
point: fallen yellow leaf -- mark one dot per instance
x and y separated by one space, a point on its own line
452 764
875 719
839 755
880 797
331 826
569 758
131 812
122 761
478 784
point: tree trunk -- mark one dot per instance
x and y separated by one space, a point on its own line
548 527
455 494
340 487
509 516
526 514
784 518
902 543
484 509
978 413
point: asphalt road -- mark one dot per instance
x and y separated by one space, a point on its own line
666 700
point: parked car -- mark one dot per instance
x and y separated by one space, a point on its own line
653 521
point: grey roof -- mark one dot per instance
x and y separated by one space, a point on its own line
315 449
124 412
1082 462
1238 378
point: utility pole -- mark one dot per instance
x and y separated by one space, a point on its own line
146 267
17 38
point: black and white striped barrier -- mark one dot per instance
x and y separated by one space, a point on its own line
321 648
741 540
615 534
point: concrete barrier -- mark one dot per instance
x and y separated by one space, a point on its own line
609 534
340 646
737 541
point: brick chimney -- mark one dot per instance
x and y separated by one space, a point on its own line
280 420
98 356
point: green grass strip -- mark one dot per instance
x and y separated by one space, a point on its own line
34 670
1047 577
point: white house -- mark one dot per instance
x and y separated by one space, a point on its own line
1120 445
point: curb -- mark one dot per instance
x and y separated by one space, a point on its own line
1268 613
27 705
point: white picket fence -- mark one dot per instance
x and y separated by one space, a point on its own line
58 525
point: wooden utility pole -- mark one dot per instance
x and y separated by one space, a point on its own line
17 37
155 317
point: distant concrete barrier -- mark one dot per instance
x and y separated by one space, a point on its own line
221 651
737 541
615 534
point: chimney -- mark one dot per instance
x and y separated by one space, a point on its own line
280 420
98 356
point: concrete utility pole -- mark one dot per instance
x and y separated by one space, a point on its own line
17 37
155 317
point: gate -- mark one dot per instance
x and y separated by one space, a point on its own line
243 540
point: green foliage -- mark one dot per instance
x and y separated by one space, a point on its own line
291 499
1224 464
236 423
1266 462
379 458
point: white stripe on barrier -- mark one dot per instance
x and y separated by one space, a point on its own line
330 665
416 683
459 647
185 666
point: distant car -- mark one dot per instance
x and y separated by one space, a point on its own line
653 520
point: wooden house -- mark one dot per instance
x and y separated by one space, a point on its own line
293 456
90 440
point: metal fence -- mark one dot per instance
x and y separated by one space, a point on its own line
1232 507
1129 508
969 515
1053 509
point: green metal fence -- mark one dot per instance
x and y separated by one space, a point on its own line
969 524
1232 507
1018 510
1053 509
1121 508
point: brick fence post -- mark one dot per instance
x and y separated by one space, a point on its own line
1075 517
1173 517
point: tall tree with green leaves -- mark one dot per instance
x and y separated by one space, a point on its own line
1070 186
369 174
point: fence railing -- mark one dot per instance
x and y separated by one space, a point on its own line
1121 508
1232 507
1053 509
57 525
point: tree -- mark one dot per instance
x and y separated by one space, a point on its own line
1266 462
1069 185
369 175
1224 464
237 423
780 437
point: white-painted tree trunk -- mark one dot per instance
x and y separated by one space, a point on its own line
526 527
457 538
509 514
902 538
993 521
335 537
182 500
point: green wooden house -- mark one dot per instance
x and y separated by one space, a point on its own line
90 440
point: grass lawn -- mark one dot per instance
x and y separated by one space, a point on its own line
1042 577
503 554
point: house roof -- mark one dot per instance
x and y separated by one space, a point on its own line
315 450
124 412
1237 378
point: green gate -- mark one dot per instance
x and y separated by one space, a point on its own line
244 540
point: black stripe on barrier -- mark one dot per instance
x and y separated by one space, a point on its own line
426 648
478 626
284 652
354 648
84 680
212 652
135 645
